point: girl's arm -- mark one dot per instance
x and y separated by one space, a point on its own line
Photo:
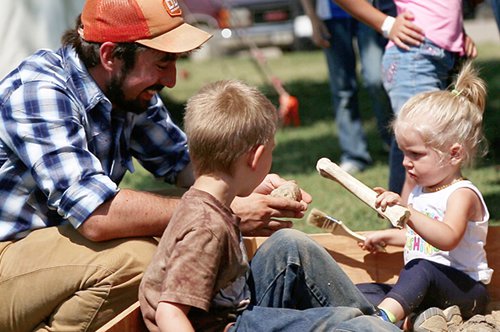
401 31
463 205
392 236
173 317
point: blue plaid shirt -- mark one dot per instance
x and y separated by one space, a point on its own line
63 151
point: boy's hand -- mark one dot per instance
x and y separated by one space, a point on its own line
258 211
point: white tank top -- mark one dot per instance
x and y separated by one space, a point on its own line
469 256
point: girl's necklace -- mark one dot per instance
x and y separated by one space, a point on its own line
433 190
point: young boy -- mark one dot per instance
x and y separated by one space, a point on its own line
200 277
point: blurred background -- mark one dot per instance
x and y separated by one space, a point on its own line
267 42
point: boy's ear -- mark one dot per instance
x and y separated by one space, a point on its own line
254 156
456 153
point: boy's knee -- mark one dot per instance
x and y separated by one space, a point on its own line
290 243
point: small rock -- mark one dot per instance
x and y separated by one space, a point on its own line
289 189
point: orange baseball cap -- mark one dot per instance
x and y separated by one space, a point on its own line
157 24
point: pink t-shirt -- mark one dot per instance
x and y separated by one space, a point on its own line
441 21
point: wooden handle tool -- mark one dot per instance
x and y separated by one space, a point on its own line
396 214
332 225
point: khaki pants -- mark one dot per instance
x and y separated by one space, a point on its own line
56 280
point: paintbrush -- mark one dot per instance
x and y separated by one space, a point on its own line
332 225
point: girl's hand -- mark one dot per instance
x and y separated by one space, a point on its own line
386 198
404 32
390 236
374 241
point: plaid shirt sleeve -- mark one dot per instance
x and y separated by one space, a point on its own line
43 125
158 144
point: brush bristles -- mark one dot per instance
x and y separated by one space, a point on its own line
319 219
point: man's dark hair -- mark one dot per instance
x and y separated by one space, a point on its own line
89 51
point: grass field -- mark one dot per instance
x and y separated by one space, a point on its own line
304 75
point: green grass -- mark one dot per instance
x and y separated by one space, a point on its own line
304 75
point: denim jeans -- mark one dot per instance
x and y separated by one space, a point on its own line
495 6
341 60
297 286
406 73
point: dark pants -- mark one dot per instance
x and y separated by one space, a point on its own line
423 284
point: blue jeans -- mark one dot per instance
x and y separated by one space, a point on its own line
423 284
297 286
495 6
341 60
406 73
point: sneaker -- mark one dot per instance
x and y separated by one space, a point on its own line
430 320
380 313
453 317
350 167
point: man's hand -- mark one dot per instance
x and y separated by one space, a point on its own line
258 211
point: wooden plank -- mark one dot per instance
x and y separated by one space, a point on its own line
129 320
493 254
360 266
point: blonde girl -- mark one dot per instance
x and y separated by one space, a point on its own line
439 133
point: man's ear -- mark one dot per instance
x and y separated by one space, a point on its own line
456 153
254 156
108 61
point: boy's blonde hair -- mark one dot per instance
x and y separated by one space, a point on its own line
224 120
444 118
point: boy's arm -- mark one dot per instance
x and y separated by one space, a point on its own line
173 317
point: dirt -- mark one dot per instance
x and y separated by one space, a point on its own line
479 323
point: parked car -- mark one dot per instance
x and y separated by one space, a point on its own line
238 24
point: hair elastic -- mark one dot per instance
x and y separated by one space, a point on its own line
456 92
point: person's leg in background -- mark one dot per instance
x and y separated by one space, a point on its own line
371 47
495 6
341 60
405 74
56 280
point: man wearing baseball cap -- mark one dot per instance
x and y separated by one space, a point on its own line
73 245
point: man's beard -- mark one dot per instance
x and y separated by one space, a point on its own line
114 91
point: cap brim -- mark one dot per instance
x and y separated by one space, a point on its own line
182 39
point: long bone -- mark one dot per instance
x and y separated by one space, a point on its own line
396 214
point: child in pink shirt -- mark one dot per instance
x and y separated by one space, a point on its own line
427 41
